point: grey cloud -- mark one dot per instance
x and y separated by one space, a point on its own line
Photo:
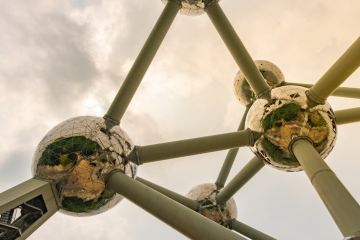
52 56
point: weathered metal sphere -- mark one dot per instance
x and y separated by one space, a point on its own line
205 194
76 155
193 7
272 74
285 116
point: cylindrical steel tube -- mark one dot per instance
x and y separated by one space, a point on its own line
181 218
336 75
230 157
248 231
342 206
250 169
173 195
182 148
339 92
237 49
347 115
142 62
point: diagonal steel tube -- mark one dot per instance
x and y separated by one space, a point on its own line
230 157
141 64
347 116
238 50
339 92
248 231
182 148
181 218
245 174
336 75
173 195
342 206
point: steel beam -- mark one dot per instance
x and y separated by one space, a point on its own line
230 157
238 50
142 62
347 116
186 221
336 75
342 206
250 169
194 205
182 148
347 92
248 231
25 192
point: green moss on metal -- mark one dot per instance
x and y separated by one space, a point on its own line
277 154
63 150
287 113
77 205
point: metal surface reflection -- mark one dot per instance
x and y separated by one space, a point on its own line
76 155
205 194
272 74
193 7
285 116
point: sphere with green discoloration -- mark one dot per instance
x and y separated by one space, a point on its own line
285 116
76 155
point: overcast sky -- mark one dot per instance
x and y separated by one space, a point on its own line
65 58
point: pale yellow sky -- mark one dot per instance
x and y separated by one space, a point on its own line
67 58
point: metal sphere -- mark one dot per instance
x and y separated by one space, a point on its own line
272 74
205 194
193 7
285 116
76 155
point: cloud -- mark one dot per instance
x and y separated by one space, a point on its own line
64 58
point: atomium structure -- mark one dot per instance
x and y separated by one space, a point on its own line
86 165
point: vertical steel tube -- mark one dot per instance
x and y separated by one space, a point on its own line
336 75
173 195
142 62
230 157
347 115
181 218
248 231
341 205
237 49
250 169
182 148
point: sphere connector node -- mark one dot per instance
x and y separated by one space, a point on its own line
205 194
271 73
77 155
287 116
193 7
314 99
